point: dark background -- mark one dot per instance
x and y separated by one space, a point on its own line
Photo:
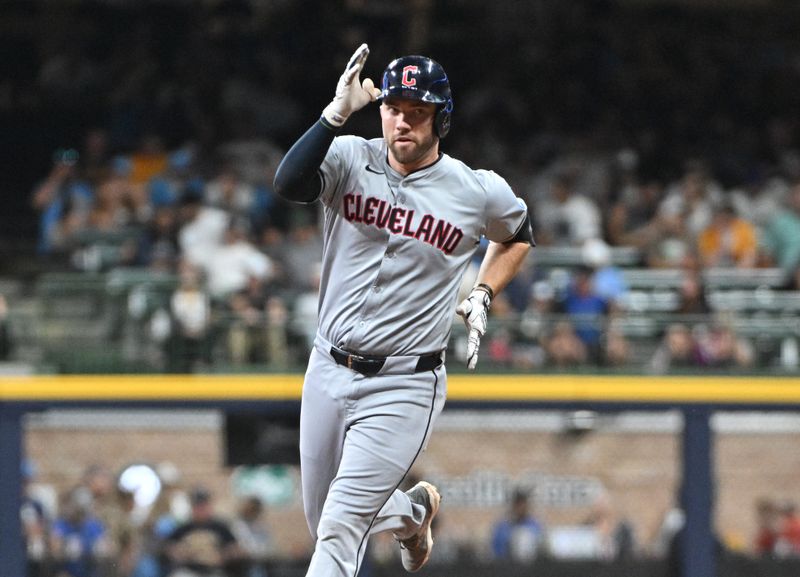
671 79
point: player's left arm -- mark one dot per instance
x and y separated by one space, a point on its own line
502 262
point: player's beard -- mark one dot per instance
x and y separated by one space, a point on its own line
412 155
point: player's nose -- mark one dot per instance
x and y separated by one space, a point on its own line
402 122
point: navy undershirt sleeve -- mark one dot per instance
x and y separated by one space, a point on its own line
297 177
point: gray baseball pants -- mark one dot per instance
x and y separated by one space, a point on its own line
359 437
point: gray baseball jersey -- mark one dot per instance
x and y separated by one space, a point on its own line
396 247
395 250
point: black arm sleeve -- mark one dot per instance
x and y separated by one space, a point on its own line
297 177
524 234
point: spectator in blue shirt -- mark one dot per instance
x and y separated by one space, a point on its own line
78 538
63 202
518 537
587 310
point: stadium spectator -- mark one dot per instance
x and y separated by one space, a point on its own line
176 178
230 193
254 536
170 509
768 519
232 265
677 350
303 241
760 197
100 482
35 522
728 240
272 241
203 546
788 543
617 350
632 219
566 218
149 159
718 346
685 211
564 347
259 326
189 346
518 536
608 280
689 204
78 540
614 534
304 315
201 229
108 237
692 294
126 541
63 202
157 247
587 311
782 238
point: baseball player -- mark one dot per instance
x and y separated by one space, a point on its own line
401 221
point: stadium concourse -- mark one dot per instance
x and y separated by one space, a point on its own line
656 144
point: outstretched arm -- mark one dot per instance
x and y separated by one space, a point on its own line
297 177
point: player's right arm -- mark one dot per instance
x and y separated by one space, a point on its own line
297 177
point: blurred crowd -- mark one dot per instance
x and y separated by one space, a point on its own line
98 527
105 524
245 256
180 113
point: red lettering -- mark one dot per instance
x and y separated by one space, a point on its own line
384 212
452 241
358 209
407 228
379 213
369 207
395 223
440 234
424 230
348 206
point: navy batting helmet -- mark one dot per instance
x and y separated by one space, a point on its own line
420 78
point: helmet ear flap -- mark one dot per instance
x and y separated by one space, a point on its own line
442 119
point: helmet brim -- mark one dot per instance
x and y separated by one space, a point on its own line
412 94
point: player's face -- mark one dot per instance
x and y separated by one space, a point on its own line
408 130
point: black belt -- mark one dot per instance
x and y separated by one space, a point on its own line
369 366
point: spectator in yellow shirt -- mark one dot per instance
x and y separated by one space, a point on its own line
728 241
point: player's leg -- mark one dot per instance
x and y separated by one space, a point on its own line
391 422
322 430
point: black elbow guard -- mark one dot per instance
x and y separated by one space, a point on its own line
524 233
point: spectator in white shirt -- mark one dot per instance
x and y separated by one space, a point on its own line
567 218
231 265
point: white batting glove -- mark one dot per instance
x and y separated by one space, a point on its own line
474 310
351 95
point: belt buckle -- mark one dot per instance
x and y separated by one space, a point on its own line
353 358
